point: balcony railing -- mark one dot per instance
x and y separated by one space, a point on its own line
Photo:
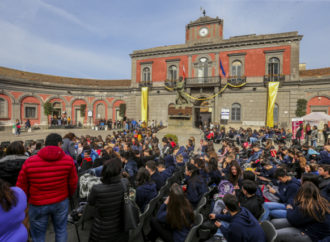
236 80
274 78
210 81
145 84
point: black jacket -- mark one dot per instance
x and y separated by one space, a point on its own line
156 177
10 167
254 204
108 200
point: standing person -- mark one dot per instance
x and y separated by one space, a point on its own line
18 127
48 179
12 206
174 218
299 133
314 134
326 132
108 199
28 124
69 145
308 132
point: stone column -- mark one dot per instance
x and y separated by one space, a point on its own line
16 112
43 117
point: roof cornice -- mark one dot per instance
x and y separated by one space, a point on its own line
230 43
52 86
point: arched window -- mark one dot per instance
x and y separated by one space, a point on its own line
100 111
236 112
172 73
146 74
274 66
3 108
276 113
203 68
236 68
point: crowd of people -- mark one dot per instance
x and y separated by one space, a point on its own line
255 176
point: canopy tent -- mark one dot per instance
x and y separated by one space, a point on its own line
316 117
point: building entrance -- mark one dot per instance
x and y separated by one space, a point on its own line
203 114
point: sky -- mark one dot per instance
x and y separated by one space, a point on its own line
93 38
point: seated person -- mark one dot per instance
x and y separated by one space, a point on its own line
165 172
196 186
213 172
325 155
239 224
174 218
324 171
250 200
154 174
249 175
87 161
267 172
130 165
235 175
308 219
288 189
200 164
146 189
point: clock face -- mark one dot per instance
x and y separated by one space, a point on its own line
203 32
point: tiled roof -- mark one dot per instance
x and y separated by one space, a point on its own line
315 72
13 74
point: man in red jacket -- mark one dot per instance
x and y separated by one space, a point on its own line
48 179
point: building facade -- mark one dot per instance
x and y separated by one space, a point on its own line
253 60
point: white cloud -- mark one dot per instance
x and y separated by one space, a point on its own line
22 50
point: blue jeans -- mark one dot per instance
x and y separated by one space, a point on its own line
39 216
225 225
274 209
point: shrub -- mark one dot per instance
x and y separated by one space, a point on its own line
301 107
173 137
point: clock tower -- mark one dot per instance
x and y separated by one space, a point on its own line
205 29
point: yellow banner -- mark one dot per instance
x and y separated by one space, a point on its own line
144 105
272 93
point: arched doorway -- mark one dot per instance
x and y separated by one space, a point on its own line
57 110
203 113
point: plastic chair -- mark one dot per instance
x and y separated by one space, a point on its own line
192 235
269 230
137 235
200 205
151 212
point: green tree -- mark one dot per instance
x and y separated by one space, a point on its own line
122 110
301 107
48 110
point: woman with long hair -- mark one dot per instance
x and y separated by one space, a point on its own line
308 219
12 205
174 218
235 174
213 171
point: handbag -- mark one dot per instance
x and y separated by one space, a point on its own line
131 212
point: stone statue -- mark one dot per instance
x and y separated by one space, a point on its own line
180 96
